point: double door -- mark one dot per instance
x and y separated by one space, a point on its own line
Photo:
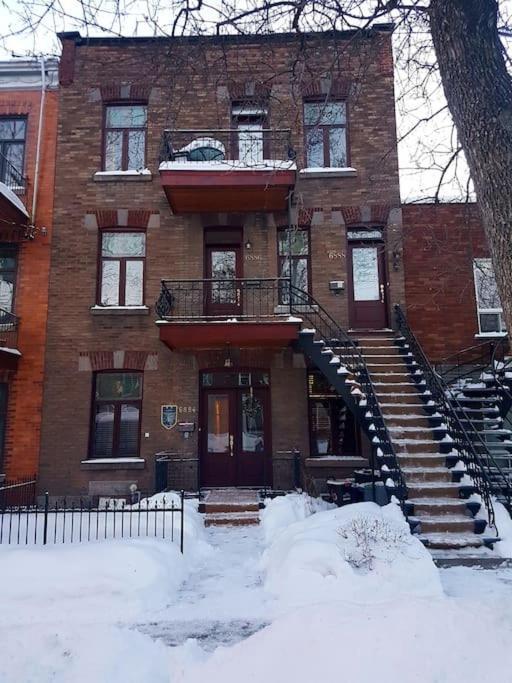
235 448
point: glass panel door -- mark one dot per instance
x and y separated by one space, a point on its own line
224 292
218 431
250 143
366 274
218 456
367 285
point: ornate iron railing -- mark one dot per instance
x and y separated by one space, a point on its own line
247 146
469 362
11 176
472 449
9 324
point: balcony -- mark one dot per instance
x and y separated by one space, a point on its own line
9 353
231 170
241 312
12 208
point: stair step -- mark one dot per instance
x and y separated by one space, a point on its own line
435 507
445 524
383 388
425 489
427 475
421 460
232 519
451 540
230 508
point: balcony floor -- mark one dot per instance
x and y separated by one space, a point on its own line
181 335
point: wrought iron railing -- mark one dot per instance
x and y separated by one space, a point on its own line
18 492
469 362
11 176
246 146
9 324
467 442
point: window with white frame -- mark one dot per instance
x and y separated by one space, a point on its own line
490 311
122 268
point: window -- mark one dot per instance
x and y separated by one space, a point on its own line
293 255
122 268
125 137
116 415
250 122
12 151
8 267
325 131
490 312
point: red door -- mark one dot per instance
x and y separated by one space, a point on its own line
235 434
367 285
224 294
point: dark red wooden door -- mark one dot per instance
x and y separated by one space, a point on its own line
252 439
218 461
223 267
367 286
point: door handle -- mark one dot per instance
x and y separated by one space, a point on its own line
231 444
238 296
381 294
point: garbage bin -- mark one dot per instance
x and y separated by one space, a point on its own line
364 476
378 495
344 491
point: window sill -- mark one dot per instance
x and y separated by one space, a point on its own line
120 310
113 464
284 309
490 335
116 176
336 461
347 172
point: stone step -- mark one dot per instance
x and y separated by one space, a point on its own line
414 446
444 524
212 508
421 460
426 474
426 489
232 519
387 389
412 421
451 540
403 409
436 507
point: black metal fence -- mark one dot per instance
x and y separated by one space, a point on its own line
244 145
60 522
8 329
11 176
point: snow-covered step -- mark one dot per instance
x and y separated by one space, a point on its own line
232 518
451 540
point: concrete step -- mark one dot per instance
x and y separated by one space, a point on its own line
426 489
248 518
414 446
447 540
444 523
426 474
410 421
421 460
436 507
386 389
404 409
228 508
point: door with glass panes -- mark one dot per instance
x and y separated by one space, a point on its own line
235 428
367 285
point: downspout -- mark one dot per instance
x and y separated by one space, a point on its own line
39 137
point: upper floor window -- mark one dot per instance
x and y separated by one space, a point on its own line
325 130
8 268
125 137
12 150
490 311
123 256
116 415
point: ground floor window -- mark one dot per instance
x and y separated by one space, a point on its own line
116 411
333 430
489 308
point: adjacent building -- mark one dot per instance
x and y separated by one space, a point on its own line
28 132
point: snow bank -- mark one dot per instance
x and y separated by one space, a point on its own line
323 558
411 640
282 511
504 526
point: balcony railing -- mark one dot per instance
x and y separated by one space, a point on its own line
8 329
11 176
244 146
240 298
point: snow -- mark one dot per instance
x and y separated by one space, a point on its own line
328 169
129 172
291 599
13 198
229 165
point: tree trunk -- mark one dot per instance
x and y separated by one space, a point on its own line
478 90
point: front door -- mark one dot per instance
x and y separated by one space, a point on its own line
367 285
235 429
224 295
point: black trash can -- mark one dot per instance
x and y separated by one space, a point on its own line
365 476
344 491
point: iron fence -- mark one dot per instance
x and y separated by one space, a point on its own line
60 522
247 146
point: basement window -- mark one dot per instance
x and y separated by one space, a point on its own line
489 308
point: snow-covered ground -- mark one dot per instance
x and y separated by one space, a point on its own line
314 592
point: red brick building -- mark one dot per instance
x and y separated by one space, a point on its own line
220 166
452 301
28 131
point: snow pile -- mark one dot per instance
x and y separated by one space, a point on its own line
504 526
282 511
361 553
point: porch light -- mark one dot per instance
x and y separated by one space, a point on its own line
248 244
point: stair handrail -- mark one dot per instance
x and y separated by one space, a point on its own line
464 443
479 360
332 334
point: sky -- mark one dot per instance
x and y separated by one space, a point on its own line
28 28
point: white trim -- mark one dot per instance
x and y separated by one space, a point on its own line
484 335
105 461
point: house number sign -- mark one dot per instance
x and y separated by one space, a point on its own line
169 414
253 257
334 254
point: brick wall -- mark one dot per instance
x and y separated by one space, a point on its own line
23 433
440 243
189 85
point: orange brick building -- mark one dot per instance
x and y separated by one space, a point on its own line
28 128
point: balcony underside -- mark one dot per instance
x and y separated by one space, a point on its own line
9 359
181 335
227 189
14 215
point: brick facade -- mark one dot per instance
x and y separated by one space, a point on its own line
440 243
25 392
189 83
